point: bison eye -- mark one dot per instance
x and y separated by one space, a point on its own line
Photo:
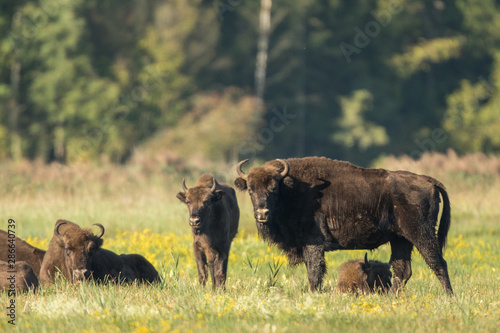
68 252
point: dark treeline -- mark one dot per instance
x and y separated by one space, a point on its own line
347 79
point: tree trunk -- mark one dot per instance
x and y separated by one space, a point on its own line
15 110
262 46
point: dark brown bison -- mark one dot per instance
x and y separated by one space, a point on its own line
213 217
364 276
17 277
311 205
78 255
24 252
107 265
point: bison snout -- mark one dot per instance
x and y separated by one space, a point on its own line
79 274
194 221
262 215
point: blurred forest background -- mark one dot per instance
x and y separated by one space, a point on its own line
214 80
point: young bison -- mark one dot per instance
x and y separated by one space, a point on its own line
213 217
365 276
19 277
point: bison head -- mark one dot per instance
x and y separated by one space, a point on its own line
263 184
199 201
78 246
378 274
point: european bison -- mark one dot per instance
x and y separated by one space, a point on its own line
70 252
365 276
213 217
311 205
107 265
77 253
24 252
17 277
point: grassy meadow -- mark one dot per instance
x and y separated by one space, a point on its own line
137 205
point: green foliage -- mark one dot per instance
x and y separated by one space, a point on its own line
354 131
473 114
216 127
92 80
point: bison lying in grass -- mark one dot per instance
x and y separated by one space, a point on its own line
19 277
213 217
364 276
78 255
24 252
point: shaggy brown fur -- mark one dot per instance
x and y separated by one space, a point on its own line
19 275
24 252
70 252
109 266
77 253
320 205
364 276
213 217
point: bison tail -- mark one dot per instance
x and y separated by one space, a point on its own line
444 224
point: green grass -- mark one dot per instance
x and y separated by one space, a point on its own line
264 294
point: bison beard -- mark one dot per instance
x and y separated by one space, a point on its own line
311 205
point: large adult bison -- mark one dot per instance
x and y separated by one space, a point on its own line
213 217
311 205
24 252
78 255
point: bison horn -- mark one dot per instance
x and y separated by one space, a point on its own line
366 258
102 230
214 182
238 169
284 173
184 188
56 229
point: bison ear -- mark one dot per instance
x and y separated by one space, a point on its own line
288 181
218 195
181 196
241 184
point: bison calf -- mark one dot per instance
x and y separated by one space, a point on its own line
213 217
365 276
19 277
24 252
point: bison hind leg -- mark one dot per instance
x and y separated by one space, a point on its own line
401 262
432 255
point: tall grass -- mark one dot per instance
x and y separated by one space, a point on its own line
137 205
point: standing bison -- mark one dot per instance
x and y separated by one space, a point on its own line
78 255
213 217
365 276
24 252
311 205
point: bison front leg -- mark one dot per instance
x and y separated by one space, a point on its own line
401 262
221 270
314 258
201 263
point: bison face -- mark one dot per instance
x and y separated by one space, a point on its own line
200 201
263 185
78 245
